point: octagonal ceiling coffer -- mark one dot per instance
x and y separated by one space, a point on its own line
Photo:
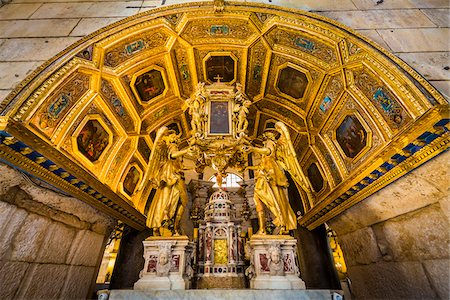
292 82
93 139
351 136
150 84
220 66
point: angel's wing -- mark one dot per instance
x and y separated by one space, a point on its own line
158 156
287 158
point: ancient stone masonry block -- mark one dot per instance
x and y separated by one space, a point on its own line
57 244
11 220
43 282
439 275
409 193
360 247
29 239
437 173
416 236
85 249
402 280
10 278
78 282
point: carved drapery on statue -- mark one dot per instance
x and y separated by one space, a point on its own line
277 155
165 174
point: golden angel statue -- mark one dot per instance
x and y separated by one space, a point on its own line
277 156
165 173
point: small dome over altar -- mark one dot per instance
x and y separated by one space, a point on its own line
220 208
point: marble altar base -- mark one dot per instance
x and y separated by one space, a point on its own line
175 274
273 263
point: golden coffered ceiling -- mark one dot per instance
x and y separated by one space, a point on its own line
359 117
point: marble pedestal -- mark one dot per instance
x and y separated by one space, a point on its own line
178 276
284 274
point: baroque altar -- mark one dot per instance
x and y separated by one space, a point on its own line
219 140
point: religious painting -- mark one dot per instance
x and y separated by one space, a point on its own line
315 177
144 149
131 180
219 118
219 30
220 68
134 47
56 107
351 136
389 107
149 85
304 43
292 82
92 140
326 104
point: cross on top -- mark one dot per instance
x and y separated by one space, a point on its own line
218 78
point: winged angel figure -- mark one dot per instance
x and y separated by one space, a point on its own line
277 155
165 173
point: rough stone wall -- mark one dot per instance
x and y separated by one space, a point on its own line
396 242
50 244
32 31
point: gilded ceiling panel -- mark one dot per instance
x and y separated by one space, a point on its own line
94 107
314 76
59 103
282 113
184 69
116 105
316 175
93 139
301 145
326 99
203 54
351 134
382 99
322 151
304 46
219 31
151 43
118 163
144 149
258 54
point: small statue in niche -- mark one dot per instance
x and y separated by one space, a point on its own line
276 265
240 110
163 265
196 105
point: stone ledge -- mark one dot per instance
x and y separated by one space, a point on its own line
223 294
